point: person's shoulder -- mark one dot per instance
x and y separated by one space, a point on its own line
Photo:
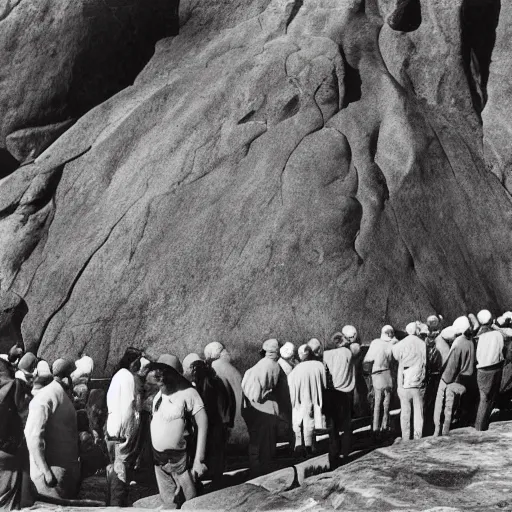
190 393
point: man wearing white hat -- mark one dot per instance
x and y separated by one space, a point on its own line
489 358
458 371
306 382
265 398
411 354
381 356
339 395
52 437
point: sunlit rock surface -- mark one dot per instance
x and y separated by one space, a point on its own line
280 168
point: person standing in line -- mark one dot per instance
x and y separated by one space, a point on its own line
458 370
489 358
411 354
380 355
52 437
433 374
123 423
216 403
266 397
306 382
216 354
176 407
339 396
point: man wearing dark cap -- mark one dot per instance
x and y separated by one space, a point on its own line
52 437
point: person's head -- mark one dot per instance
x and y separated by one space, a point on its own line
316 347
387 333
200 371
448 334
213 351
28 363
166 378
187 364
80 395
433 324
130 360
43 369
349 332
502 321
63 368
412 329
171 360
474 323
484 317
287 351
305 353
423 330
462 326
15 354
271 349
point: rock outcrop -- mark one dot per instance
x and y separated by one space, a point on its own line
467 470
497 115
60 59
280 168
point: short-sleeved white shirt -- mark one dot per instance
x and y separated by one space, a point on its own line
168 426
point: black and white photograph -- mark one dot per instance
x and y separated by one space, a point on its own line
256 255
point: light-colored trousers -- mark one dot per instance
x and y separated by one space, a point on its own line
411 403
447 400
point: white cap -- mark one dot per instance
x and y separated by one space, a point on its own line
448 333
315 346
213 350
384 333
303 350
350 332
484 317
271 346
461 325
412 328
287 350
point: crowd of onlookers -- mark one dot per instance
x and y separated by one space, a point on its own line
178 416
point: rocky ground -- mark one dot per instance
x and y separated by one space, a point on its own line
467 470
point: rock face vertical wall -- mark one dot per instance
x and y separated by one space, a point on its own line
60 59
280 168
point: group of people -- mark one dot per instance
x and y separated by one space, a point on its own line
179 415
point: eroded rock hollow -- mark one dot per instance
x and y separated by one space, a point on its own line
279 168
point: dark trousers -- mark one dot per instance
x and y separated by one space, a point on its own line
489 381
338 414
262 429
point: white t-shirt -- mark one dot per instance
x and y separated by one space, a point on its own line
168 426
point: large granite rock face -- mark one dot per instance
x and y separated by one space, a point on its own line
497 115
467 470
60 59
280 168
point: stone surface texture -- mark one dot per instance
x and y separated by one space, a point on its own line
60 59
280 168
467 470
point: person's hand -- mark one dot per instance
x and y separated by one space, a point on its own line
49 478
199 468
